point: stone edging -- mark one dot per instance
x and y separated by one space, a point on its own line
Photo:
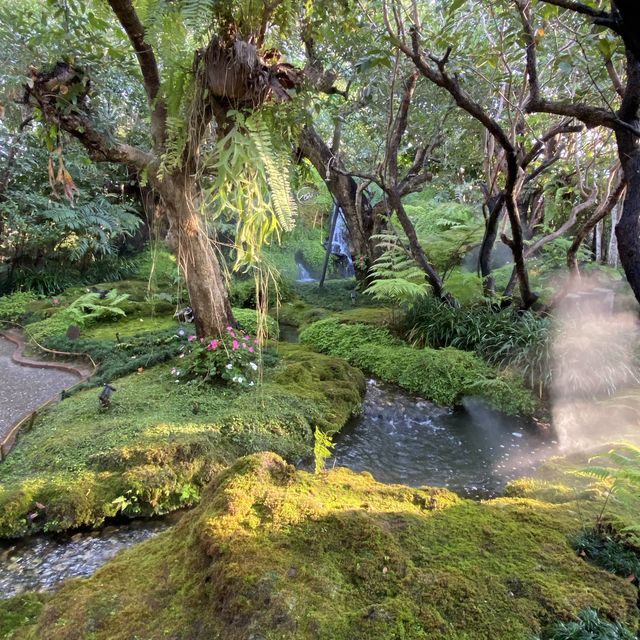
18 358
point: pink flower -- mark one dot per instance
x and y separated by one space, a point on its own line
245 338
235 344
213 345
229 328
191 338
55 300
251 349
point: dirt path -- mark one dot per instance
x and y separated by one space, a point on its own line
24 388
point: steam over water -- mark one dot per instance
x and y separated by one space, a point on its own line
595 370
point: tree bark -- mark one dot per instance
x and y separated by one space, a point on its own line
496 203
196 256
363 220
417 252
599 214
628 227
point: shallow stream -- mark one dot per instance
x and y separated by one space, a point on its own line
42 562
472 450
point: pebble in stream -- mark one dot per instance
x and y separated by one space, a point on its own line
40 563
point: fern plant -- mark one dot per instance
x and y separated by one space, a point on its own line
619 472
91 307
395 276
251 186
322 449
588 626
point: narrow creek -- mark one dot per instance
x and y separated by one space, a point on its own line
43 562
398 438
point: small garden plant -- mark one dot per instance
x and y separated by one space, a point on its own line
232 357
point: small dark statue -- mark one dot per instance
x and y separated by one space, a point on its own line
185 315
105 396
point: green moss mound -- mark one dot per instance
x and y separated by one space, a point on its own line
444 376
160 442
277 554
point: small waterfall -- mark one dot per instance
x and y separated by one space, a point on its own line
340 244
303 273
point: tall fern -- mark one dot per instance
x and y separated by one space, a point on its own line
396 277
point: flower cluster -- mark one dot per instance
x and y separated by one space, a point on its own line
231 357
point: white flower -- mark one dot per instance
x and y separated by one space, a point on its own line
253 365
251 384
229 366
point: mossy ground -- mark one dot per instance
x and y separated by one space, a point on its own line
443 376
160 442
274 553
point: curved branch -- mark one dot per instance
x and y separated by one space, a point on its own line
128 18
599 214
590 115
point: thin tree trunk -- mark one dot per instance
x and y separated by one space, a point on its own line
418 253
599 214
612 252
488 241
327 255
516 243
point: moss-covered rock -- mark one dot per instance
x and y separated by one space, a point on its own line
277 554
444 376
159 443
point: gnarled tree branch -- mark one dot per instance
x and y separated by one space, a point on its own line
128 18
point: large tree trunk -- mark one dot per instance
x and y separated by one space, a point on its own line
198 262
628 227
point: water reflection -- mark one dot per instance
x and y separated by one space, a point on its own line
472 450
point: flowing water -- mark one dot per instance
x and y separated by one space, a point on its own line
303 273
340 244
398 438
474 451
40 563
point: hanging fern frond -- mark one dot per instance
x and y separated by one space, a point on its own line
277 171
251 187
